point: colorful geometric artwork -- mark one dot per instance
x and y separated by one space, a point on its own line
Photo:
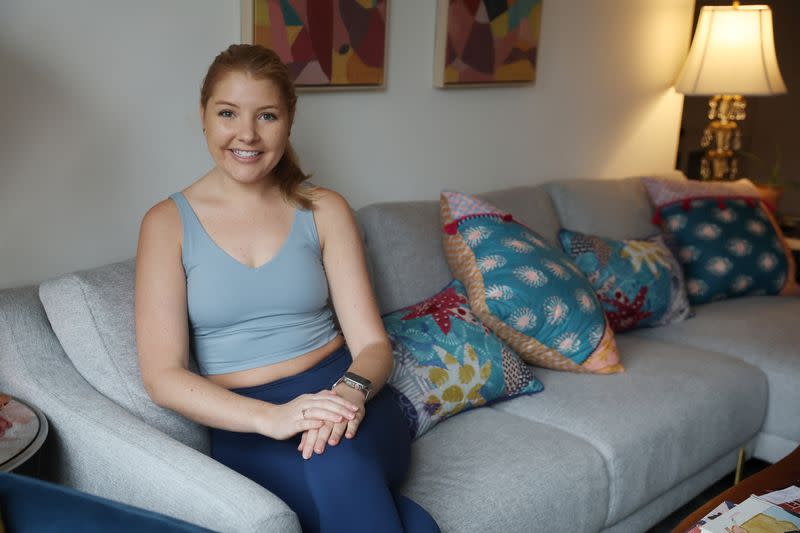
482 42
325 43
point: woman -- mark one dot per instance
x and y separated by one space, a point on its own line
238 268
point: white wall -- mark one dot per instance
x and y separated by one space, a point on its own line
100 118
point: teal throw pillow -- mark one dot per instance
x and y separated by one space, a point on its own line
638 282
728 242
529 293
446 361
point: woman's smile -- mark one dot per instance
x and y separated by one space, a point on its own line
246 156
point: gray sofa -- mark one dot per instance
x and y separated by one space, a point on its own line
590 453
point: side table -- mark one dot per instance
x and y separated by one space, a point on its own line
23 437
777 476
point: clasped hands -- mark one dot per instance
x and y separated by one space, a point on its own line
333 427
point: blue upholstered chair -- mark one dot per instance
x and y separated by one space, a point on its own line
28 504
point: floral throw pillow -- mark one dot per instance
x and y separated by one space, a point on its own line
528 292
638 282
446 361
728 242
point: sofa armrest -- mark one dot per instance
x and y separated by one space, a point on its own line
99 447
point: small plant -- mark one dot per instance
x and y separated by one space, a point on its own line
773 178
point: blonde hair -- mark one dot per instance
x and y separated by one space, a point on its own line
264 64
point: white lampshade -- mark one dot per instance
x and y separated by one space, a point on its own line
733 52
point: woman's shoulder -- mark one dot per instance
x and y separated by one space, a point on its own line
332 214
329 201
164 212
163 218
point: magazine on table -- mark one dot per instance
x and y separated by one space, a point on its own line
717 511
754 515
788 498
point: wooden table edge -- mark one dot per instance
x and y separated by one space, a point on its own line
776 476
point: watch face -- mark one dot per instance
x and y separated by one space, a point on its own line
362 382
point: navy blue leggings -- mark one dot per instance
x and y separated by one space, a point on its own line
350 487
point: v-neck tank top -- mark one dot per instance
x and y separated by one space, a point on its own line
242 317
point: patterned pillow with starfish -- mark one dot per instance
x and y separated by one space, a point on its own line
446 361
526 291
639 282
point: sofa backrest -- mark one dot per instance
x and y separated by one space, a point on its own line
404 244
615 208
92 315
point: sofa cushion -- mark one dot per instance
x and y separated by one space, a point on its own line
667 417
446 361
485 470
526 290
92 315
761 330
639 282
728 242
615 208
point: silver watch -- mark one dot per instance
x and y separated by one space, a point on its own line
354 381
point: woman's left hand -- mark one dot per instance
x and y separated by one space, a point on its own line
315 440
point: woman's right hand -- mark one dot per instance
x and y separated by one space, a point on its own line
308 411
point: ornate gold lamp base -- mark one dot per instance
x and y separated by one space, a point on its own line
722 137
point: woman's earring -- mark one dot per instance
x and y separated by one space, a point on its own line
204 131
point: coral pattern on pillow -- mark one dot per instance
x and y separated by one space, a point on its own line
446 361
728 242
639 282
528 292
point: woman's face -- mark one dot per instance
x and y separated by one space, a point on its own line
247 126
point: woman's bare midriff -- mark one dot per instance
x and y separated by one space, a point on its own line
274 372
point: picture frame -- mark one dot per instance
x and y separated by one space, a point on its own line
344 49
486 43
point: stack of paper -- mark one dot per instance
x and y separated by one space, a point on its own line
754 515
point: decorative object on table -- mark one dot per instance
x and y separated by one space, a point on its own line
4 422
732 54
728 242
326 44
638 282
528 292
23 434
447 361
484 42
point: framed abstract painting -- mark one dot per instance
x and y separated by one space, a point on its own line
486 42
326 44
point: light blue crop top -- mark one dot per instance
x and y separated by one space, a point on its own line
242 317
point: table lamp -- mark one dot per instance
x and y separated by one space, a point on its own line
732 55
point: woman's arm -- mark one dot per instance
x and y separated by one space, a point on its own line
357 310
162 339
351 291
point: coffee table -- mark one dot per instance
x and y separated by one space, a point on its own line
777 476
24 437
